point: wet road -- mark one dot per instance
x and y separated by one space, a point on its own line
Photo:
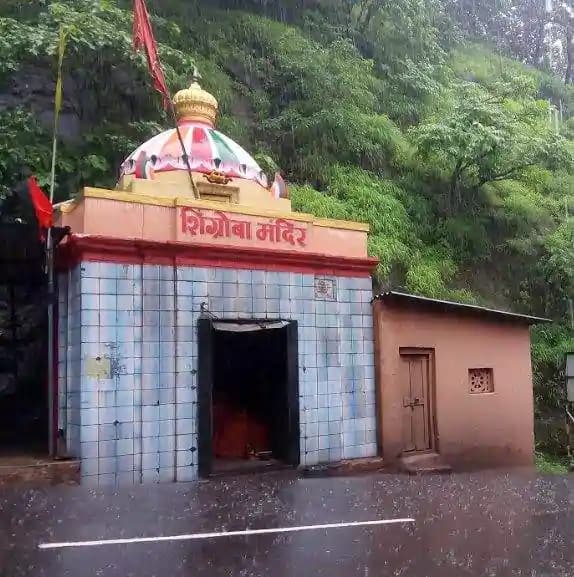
488 524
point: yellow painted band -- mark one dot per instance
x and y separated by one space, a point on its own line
345 224
138 198
133 197
66 206
241 209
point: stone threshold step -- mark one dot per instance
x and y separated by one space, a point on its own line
346 468
424 464
38 472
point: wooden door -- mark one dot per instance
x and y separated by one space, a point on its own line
415 380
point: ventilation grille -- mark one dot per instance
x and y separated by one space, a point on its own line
480 381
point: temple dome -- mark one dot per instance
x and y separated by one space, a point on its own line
207 149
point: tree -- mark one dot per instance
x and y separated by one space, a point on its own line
404 40
569 74
563 19
538 32
486 138
558 261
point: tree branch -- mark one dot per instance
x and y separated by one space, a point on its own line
504 175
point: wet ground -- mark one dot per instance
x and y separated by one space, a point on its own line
490 524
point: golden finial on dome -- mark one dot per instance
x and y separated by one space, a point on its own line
194 103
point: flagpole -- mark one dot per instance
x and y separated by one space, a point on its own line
51 335
184 152
143 38
50 259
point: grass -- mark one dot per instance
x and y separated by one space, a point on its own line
551 464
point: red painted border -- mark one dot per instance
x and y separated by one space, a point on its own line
80 248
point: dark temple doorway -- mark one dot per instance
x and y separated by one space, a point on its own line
248 396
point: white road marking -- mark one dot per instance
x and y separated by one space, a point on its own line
196 536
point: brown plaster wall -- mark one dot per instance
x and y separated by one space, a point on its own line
473 430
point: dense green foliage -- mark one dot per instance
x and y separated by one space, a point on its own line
551 465
378 111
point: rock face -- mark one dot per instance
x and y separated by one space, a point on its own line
33 87
23 353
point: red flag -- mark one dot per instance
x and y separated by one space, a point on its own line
143 38
42 206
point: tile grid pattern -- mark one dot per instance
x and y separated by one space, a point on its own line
69 358
140 424
63 320
336 353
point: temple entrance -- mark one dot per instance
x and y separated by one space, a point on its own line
248 396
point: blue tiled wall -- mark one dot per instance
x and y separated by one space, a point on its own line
139 423
69 359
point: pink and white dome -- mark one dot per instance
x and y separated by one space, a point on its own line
207 149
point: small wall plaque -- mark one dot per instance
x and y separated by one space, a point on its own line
99 368
325 289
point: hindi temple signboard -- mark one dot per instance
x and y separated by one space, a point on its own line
217 224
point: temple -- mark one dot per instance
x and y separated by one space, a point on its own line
204 325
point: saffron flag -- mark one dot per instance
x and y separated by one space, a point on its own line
143 38
59 84
42 205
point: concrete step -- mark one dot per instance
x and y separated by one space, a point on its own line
424 464
346 468
37 472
